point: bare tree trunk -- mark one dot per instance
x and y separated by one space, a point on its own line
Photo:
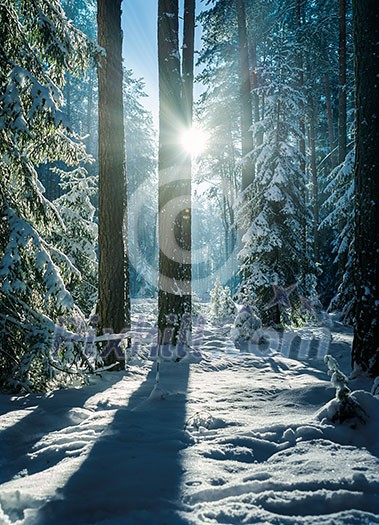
89 110
245 94
187 86
342 82
174 299
68 97
300 60
255 86
315 195
329 116
188 60
114 300
366 264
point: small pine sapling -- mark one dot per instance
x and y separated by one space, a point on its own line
247 326
222 304
346 407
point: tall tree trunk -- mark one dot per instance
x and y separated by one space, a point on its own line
255 86
329 116
89 141
366 38
300 64
315 195
174 299
68 97
187 86
188 60
114 300
342 82
306 246
245 94
70 16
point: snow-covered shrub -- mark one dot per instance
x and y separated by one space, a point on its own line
202 421
247 326
337 378
344 407
222 305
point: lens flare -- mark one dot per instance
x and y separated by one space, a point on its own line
194 141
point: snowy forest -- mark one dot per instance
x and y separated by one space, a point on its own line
189 303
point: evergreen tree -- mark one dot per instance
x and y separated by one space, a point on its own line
222 305
37 46
275 249
310 31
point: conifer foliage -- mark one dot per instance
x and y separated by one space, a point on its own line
37 46
275 243
340 215
78 237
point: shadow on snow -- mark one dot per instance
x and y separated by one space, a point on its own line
133 472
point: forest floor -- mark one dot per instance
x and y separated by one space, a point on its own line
240 436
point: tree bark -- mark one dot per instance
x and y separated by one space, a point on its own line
300 64
315 185
366 263
175 113
90 87
114 300
255 86
329 116
245 95
188 60
342 82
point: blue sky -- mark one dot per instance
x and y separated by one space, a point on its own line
139 21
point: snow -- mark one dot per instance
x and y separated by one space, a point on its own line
240 436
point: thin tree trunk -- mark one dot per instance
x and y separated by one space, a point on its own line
315 195
89 110
245 94
300 5
300 60
342 82
188 59
329 116
255 86
366 263
114 300
187 86
263 102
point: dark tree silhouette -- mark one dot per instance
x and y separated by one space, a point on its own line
366 38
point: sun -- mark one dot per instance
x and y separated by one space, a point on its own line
194 141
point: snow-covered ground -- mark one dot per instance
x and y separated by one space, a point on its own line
236 437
